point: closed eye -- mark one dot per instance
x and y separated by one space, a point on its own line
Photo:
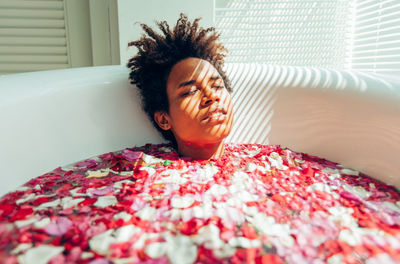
190 92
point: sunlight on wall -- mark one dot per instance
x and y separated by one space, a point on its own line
291 32
341 34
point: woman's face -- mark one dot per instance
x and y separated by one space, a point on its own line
200 107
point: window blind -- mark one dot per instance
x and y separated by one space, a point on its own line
292 32
376 46
32 35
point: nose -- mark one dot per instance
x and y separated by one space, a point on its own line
209 97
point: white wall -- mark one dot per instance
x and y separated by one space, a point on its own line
147 11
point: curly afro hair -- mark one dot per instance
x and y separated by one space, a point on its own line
158 53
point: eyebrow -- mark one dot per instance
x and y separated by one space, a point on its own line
213 78
186 83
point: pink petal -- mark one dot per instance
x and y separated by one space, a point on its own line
58 227
101 192
131 155
99 261
86 163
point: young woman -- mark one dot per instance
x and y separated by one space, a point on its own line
184 89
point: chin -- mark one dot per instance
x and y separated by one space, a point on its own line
217 137
219 132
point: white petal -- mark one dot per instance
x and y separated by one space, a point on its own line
357 190
248 197
250 167
147 213
181 250
182 201
151 159
287 241
244 242
351 238
118 185
97 173
349 172
225 251
381 258
235 201
335 259
171 176
42 223
21 247
86 255
124 173
174 214
123 260
217 190
166 149
27 198
22 188
124 234
123 215
53 204
74 192
392 206
276 161
334 176
204 211
139 243
101 243
252 153
104 201
39 255
206 173
321 187
22 223
157 249
343 216
68 202
209 235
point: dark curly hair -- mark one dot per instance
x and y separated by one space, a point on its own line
158 53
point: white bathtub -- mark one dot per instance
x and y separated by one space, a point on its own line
53 118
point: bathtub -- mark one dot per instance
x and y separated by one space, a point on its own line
54 118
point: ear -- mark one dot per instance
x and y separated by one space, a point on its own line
162 119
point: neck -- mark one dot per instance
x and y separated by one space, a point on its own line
204 151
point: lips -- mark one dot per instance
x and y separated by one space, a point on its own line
217 114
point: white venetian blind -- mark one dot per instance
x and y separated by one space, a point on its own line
376 45
32 35
291 32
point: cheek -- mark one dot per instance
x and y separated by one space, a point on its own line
188 107
227 100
